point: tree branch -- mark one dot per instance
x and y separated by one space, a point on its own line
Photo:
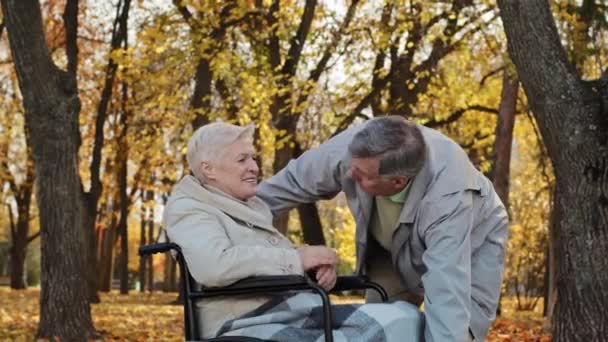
119 32
490 74
440 50
246 16
357 112
11 178
378 80
226 95
350 13
329 50
297 42
348 121
404 60
476 138
185 12
273 46
70 22
457 114
31 238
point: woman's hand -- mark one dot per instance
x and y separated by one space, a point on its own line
326 276
314 256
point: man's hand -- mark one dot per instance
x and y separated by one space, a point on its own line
326 277
314 256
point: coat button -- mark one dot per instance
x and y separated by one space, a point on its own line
273 240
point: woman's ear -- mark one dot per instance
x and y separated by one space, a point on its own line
208 171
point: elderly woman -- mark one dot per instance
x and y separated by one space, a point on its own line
226 234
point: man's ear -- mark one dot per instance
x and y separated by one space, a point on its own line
399 181
208 171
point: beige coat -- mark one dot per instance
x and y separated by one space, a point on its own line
225 240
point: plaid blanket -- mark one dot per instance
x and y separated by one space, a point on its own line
300 318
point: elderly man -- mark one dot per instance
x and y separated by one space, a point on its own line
429 225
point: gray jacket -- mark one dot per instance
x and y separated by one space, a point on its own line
450 242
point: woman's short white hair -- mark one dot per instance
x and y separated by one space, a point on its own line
208 142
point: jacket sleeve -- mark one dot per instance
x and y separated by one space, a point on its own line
212 258
316 174
487 268
447 224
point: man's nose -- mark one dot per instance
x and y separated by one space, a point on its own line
353 175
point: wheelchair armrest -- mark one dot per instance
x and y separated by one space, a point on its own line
260 284
158 248
263 281
353 282
358 282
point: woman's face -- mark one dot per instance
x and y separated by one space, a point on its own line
235 171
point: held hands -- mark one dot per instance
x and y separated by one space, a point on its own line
326 276
323 260
314 256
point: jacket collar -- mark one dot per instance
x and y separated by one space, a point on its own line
253 212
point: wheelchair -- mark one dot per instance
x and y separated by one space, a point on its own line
252 285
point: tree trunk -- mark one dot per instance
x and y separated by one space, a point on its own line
106 258
552 261
502 144
17 267
90 240
119 35
504 137
311 224
282 156
142 242
51 103
170 274
150 273
17 259
107 242
573 119
202 92
18 250
123 227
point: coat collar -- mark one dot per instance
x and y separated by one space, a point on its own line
253 212
417 191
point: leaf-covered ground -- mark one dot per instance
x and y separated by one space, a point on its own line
151 317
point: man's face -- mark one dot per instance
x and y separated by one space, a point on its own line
365 171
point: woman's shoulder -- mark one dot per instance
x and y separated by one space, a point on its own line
258 204
183 203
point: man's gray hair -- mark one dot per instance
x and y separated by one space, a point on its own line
208 142
398 142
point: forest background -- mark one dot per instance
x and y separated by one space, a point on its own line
130 81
